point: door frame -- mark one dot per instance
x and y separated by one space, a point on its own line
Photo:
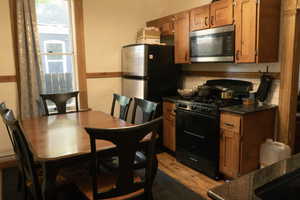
289 71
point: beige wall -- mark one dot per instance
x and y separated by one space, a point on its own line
8 92
109 25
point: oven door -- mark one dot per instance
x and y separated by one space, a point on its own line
197 141
197 134
213 45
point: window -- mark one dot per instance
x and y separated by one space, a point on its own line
55 27
55 63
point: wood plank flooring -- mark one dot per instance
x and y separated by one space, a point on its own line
192 179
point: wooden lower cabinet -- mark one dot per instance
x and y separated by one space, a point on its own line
169 124
229 157
240 139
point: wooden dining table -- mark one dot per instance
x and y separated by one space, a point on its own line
58 141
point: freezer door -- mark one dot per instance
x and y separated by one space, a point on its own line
134 88
135 60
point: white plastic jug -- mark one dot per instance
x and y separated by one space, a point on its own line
272 152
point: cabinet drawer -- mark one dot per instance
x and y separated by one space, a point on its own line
230 122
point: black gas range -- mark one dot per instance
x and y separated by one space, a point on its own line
198 132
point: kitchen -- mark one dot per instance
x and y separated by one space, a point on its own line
226 144
106 74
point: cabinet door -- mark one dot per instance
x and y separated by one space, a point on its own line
229 153
165 25
200 18
181 36
169 127
221 13
246 31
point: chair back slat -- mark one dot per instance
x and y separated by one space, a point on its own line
3 110
124 103
60 100
148 109
23 154
127 141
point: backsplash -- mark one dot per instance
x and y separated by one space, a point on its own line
273 98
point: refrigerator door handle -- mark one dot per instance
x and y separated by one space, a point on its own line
135 77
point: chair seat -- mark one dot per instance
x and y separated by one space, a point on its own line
106 182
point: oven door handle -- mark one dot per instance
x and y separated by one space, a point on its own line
195 135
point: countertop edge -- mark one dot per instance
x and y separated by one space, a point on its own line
240 112
213 195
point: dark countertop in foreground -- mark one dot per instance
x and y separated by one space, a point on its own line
245 109
244 187
173 99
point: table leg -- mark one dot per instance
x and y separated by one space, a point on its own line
49 183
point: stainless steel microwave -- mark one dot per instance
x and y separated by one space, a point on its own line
213 45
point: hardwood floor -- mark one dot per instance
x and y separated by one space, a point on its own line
192 179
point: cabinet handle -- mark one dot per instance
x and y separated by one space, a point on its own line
212 20
230 125
186 56
237 55
206 21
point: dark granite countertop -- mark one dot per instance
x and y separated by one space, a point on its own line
244 187
172 99
245 109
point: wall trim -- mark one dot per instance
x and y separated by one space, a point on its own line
8 78
255 75
104 75
81 59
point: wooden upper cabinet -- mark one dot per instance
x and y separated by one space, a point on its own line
181 38
245 23
165 25
221 13
200 18
257 30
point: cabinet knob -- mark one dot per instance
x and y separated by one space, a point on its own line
237 55
186 56
206 21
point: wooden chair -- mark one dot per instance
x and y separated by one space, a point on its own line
124 103
60 100
148 110
127 141
21 183
25 158
3 110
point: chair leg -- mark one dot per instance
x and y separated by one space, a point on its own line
20 181
24 191
148 196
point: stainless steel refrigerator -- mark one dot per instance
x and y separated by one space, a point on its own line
149 72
